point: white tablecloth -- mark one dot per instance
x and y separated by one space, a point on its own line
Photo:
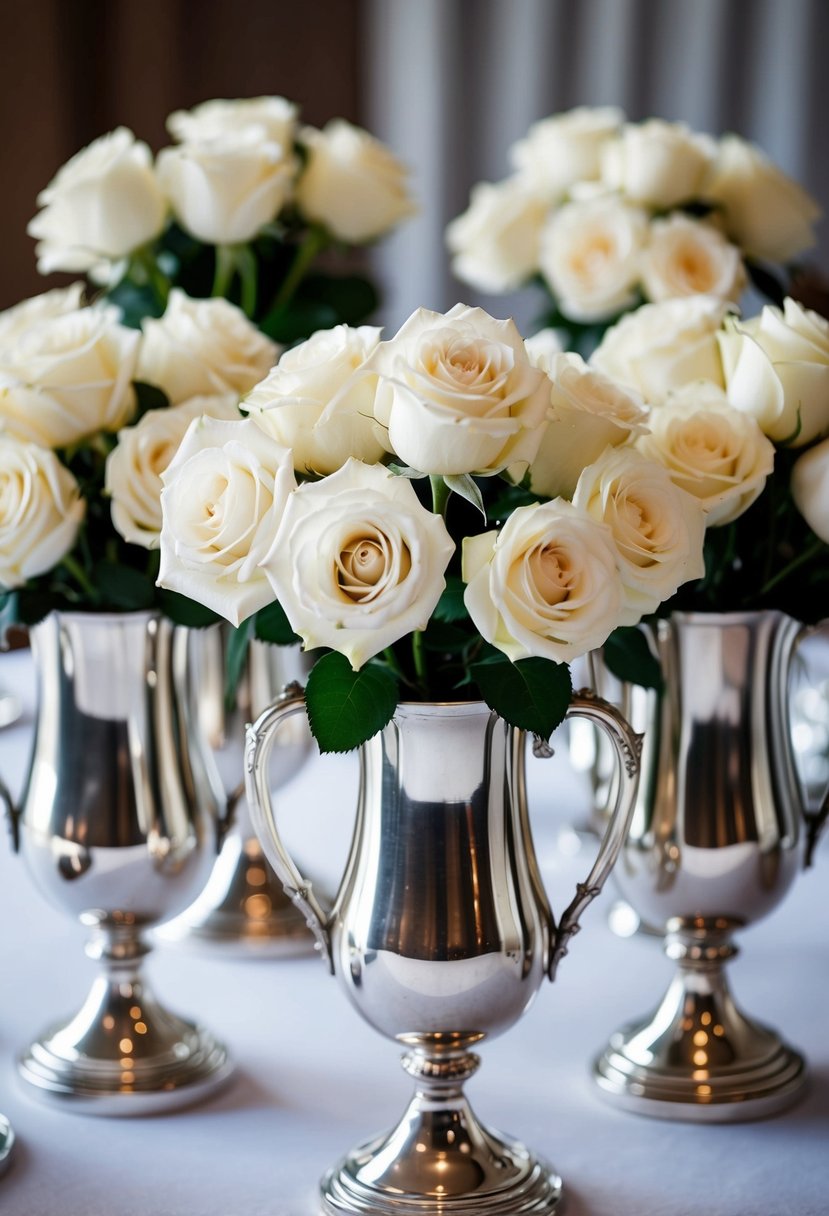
313 1079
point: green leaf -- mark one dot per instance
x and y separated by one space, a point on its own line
766 283
184 611
122 587
297 320
532 694
466 486
629 658
272 625
136 302
444 637
352 297
347 707
148 397
405 470
508 501
235 656
450 606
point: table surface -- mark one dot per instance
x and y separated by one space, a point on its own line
313 1079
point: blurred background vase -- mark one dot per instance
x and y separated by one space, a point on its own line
118 825
715 842
243 909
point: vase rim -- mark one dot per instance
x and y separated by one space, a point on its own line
737 617
442 709
72 615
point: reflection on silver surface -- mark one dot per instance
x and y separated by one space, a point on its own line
714 844
441 934
7 1142
243 908
118 826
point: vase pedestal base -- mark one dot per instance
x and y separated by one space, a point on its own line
439 1158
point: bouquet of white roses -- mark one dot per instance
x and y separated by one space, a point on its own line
91 409
606 214
378 502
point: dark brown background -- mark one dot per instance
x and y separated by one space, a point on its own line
71 70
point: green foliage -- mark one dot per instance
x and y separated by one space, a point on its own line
184 611
450 606
532 694
272 625
345 707
629 658
237 653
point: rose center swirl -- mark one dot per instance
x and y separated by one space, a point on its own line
366 564
551 573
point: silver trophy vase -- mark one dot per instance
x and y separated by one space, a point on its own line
118 826
441 934
714 845
243 909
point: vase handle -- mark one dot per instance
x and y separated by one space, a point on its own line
627 745
260 739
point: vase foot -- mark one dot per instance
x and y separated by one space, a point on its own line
124 1054
700 1059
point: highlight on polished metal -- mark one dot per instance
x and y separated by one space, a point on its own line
117 826
714 845
440 934
243 909
7 1142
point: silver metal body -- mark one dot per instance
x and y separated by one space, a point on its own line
118 827
714 844
441 935
243 909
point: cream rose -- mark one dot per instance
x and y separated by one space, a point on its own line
18 320
590 256
559 151
225 190
134 466
351 183
203 348
765 212
495 242
711 450
657 528
458 394
686 257
319 400
660 347
224 494
777 369
68 377
104 203
274 116
590 413
358 563
810 488
658 163
543 347
40 511
545 586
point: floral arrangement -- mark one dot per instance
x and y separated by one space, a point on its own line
429 513
212 251
606 214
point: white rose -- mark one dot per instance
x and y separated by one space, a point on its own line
777 369
104 203
686 257
559 151
658 529
203 348
40 511
274 116
68 377
351 183
16 321
590 413
319 400
458 394
543 347
660 347
765 212
658 163
495 242
224 190
711 450
358 562
134 466
810 488
224 493
545 586
590 256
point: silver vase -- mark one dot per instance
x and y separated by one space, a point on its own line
118 827
714 845
243 909
441 934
